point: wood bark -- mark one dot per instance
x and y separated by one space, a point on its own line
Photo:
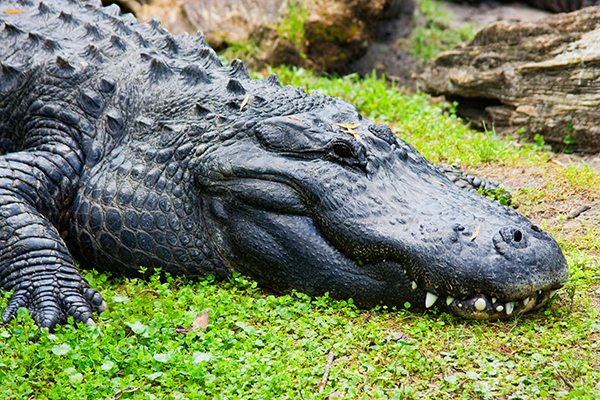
530 78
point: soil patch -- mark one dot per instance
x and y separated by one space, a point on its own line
546 197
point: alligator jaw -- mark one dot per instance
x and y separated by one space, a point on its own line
482 307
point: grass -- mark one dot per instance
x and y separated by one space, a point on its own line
434 32
292 26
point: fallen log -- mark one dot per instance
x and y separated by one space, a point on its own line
531 78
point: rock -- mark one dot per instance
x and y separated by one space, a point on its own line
275 50
389 60
222 21
340 31
387 54
230 21
336 31
482 14
562 5
550 5
532 78
170 13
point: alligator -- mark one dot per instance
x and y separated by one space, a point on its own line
124 146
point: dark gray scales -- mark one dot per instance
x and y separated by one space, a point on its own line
124 146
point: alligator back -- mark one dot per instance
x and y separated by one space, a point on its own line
74 54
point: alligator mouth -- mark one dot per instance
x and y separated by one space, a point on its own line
482 307
478 306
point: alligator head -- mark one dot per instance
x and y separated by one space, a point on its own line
322 200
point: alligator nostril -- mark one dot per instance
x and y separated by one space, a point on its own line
514 237
517 236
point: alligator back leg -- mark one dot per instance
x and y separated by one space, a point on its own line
36 187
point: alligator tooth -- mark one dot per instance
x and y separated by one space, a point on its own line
430 299
494 300
526 301
510 307
480 304
449 300
499 308
551 293
414 285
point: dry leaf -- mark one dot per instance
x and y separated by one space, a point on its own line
397 336
201 321
552 160
13 11
476 233
349 125
349 128
245 102
336 395
434 181
292 117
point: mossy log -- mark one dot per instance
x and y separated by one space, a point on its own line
530 78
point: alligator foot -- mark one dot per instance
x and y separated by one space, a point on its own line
52 299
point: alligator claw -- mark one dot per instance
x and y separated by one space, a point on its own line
50 306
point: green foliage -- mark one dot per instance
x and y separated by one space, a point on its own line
568 140
259 346
292 27
539 142
247 50
435 32
500 195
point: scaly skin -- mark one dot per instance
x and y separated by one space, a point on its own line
124 146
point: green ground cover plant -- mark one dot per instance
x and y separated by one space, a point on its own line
259 345
434 31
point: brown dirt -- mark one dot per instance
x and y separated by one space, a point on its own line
546 195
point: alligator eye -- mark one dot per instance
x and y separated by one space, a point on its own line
342 150
517 236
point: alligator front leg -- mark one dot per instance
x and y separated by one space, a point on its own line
35 189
